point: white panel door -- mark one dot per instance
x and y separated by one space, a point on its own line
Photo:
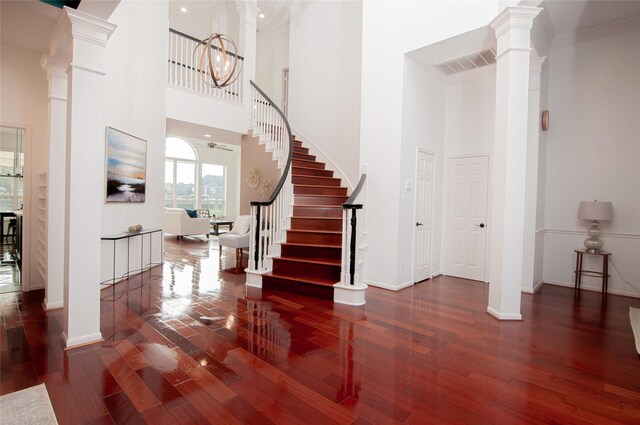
467 217
423 217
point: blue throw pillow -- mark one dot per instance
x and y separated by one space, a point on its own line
192 213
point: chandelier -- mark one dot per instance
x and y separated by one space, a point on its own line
218 63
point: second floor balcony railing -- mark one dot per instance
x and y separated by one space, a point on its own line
185 72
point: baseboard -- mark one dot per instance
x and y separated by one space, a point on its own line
595 288
503 316
46 305
81 341
389 287
533 290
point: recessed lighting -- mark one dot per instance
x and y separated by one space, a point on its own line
183 9
261 16
207 135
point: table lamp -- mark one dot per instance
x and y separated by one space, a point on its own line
595 212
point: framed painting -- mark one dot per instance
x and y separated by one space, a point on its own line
126 167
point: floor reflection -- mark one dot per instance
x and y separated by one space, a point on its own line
350 379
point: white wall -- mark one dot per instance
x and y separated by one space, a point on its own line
254 155
593 152
324 79
189 106
136 72
272 56
538 267
389 30
470 112
423 119
23 84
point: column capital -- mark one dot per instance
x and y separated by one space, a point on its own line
78 25
54 66
535 68
514 17
248 11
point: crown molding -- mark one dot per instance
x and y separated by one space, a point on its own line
54 66
514 17
83 26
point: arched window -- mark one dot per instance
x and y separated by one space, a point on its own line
180 174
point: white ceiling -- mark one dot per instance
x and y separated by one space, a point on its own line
566 17
27 24
196 132
570 16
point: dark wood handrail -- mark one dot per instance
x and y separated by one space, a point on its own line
350 202
287 166
200 41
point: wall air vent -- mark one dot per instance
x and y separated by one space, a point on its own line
468 62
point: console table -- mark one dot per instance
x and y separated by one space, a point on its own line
604 274
128 236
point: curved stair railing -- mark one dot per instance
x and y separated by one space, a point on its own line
270 218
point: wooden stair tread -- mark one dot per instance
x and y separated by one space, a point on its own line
293 167
317 186
317 206
310 261
318 218
320 196
333 232
315 245
314 161
306 279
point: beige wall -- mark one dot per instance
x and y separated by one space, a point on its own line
254 155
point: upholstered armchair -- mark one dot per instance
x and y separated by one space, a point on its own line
177 222
237 238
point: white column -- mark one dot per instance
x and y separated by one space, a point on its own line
56 69
248 13
512 27
86 37
531 185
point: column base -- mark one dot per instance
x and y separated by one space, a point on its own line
254 279
349 294
81 341
503 316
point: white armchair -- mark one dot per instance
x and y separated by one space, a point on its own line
237 238
177 222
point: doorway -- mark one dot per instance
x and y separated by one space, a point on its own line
12 142
466 232
423 229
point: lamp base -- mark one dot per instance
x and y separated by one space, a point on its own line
593 243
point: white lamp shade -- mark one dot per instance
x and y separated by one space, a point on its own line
594 210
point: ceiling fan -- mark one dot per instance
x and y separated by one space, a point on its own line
214 145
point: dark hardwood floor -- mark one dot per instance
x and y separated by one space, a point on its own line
189 346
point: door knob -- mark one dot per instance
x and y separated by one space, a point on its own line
419 224
481 225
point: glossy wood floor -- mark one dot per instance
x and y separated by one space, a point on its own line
190 347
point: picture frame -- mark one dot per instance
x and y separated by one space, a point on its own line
126 167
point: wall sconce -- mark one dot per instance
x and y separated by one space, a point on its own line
545 120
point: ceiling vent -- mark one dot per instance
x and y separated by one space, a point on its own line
468 62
